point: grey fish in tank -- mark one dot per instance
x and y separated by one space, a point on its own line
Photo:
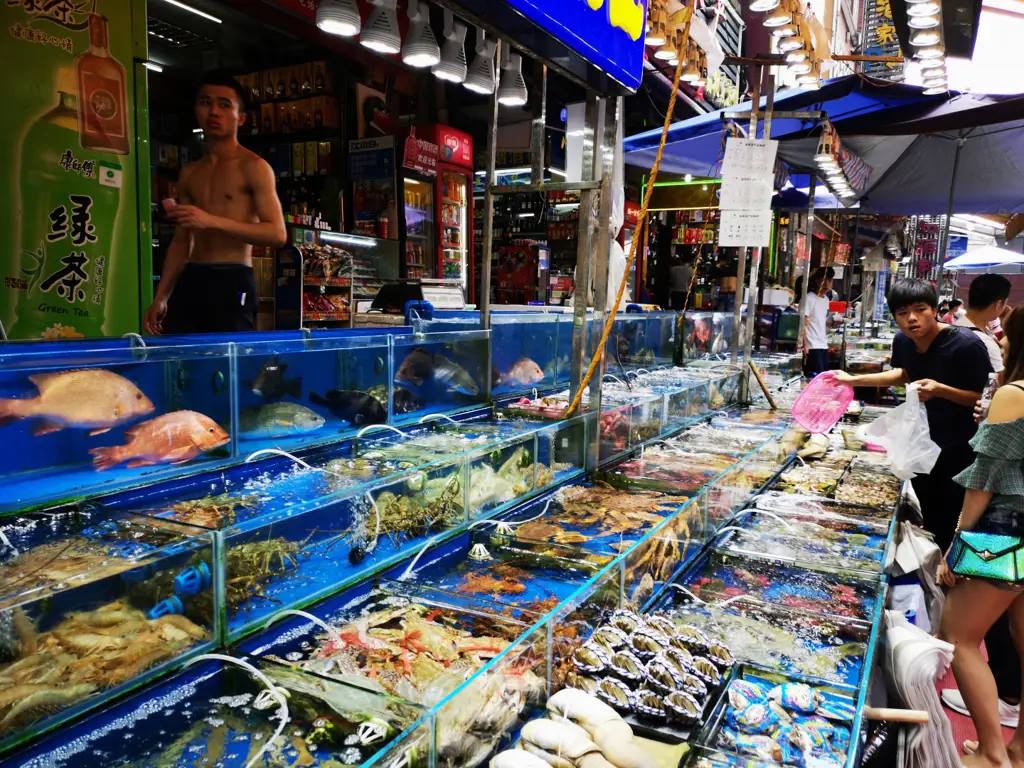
420 367
355 407
278 420
271 383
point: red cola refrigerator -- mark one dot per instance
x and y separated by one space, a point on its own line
454 195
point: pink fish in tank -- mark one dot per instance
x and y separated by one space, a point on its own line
173 438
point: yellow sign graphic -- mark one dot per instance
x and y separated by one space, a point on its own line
627 15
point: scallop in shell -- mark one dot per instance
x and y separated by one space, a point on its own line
677 657
649 704
682 708
663 677
661 623
626 666
610 637
706 671
615 694
648 643
690 638
694 686
721 656
583 683
627 621
590 659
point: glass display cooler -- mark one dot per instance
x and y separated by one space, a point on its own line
454 204
418 225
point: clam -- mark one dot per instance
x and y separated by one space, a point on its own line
694 686
679 658
583 683
649 704
706 671
627 621
661 623
721 656
663 677
682 708
610 637
627 667
590 659
647 643
616 694
690 638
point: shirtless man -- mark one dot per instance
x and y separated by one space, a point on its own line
228 203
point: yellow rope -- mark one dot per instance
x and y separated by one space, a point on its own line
599 354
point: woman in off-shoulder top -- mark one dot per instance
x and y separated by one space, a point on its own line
994 504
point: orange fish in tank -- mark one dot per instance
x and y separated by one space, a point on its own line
88 398
173 438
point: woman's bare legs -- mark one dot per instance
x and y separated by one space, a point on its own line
972 606
1015 748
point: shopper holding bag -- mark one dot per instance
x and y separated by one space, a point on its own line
985 564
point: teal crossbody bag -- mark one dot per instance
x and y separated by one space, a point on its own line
987 555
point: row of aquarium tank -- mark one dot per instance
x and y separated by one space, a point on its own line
433 594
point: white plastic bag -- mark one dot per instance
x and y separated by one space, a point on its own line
904 434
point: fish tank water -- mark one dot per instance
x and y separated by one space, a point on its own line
88 610
109 416
439 373
249 711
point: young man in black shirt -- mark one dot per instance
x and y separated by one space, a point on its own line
951 365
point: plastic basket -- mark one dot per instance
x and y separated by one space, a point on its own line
822 403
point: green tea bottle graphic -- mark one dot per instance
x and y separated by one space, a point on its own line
69 204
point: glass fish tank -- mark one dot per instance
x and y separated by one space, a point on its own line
108 416
240 711
595 515
503 568
297 393
831 543
780 720
657 558
822 648
818 506
413 641
87 610
667 469
439 372
724 579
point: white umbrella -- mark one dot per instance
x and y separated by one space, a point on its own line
987 259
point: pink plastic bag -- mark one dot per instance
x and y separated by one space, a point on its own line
822 403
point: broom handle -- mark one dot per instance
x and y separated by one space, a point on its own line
764 387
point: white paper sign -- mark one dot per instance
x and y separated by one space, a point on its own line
744 157
745 229
746 192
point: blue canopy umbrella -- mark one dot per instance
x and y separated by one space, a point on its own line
927 153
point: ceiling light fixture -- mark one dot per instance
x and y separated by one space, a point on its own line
667 51
481 72
420 49
763 6
935 91
933 63
927 8
812 77
153 66
923 22
512 91
453 65
656 28
339 17
380 33
933 52
924 37
196 11
778 17
787 30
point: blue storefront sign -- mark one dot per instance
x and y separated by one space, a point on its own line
608 34
957 246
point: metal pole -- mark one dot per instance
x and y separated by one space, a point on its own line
807 263
755 266
488 255
741 267
540 121
581 280
949 206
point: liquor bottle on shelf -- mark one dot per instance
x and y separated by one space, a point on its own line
102 94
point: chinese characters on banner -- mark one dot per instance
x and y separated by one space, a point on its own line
70 264
421 156
881 40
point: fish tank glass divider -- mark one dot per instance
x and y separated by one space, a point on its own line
234 386
391 380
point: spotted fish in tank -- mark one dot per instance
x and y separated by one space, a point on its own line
173 438
420 367
271 383
355 407
88 398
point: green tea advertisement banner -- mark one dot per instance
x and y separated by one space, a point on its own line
70 253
